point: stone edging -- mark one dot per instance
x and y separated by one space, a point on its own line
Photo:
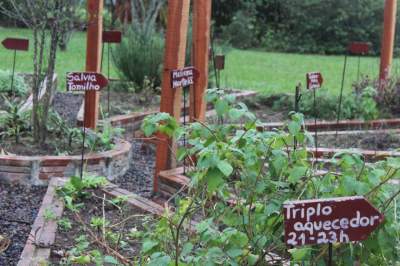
37 170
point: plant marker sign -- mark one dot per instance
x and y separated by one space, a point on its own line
85 81
183 77
314 80
16 44
359 48
112 37
335 220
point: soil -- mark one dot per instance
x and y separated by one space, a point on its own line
122 102
92 207
139 177
19 206
67 105
381 142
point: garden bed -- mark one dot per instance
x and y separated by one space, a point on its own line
19 206
73 236
36 170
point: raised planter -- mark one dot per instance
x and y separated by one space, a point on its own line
37 250
37 170
342 125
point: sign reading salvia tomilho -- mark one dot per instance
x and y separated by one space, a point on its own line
85 81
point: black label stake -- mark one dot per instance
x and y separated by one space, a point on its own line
297 108
83 144
315 123
330 254
340 98
184 125
13 74
108 77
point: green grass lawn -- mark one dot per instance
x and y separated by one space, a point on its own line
278 72
262 71
74 59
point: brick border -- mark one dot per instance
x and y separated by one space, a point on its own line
43 233
38 170
342 125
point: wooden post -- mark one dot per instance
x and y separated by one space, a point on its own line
174 58
200 57
389 28
93 58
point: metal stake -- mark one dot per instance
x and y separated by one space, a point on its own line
108 77
330 254
341 97
315 122
83 143
358 69
296 108
12 75
184 125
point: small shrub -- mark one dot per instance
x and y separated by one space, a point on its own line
19 86
139 55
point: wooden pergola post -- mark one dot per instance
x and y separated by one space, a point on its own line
200 57
174 58
93 58
389 29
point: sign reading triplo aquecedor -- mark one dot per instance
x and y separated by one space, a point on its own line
16 44
85 81
183 77
314 80
336 220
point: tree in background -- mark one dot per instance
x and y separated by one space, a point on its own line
316 26
47 19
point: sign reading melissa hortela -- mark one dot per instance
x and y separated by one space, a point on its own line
314 80
85 81
183 77
336 220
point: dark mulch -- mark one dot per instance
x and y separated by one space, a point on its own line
122 102
67 105
18 209
381 142
139 177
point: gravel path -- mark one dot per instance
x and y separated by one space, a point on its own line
18 209
139 177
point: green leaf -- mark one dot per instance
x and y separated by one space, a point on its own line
296 173
214 179
148 245
111 260
300 254
225 167
294 128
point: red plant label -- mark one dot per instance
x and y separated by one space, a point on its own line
220 62
359 48
183 77
336 220
85 81
112 36
16 44
314 80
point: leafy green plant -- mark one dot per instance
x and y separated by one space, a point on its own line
49 215
103 139
65 224
140 55
14 121
19 86
242 177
